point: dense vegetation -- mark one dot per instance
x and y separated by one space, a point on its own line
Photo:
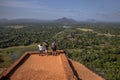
97 50
97 46
13 36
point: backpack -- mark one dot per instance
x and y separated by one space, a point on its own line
46 45
53 45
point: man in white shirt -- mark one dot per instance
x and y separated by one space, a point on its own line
41 48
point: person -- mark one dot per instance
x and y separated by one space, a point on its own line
46 47
41 49
54 47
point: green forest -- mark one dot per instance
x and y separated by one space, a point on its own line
96 45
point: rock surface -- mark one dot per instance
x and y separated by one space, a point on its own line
31 66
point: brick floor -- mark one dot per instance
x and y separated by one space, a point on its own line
40 68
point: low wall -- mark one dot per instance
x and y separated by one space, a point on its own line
4 75
67 68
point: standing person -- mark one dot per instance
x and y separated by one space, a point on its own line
46 47
54 47
41 48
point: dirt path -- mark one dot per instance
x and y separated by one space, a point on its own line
40 68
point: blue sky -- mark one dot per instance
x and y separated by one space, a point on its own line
101 10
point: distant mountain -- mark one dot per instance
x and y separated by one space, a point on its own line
3 20
22 21
91 21
65 20
61 20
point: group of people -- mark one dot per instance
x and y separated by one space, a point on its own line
46 46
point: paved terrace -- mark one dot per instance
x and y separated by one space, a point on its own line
31 66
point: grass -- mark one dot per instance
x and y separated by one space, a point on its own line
85 29
11 54
16 27
91 30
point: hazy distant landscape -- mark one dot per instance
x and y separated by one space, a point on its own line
96 45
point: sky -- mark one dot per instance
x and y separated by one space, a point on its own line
81 10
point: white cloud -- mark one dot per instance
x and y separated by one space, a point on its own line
20 4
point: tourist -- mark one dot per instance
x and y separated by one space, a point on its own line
41 49
54 47
46 47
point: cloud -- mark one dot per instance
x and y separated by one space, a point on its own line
47 9
17 8
17 3
110 14
113 15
